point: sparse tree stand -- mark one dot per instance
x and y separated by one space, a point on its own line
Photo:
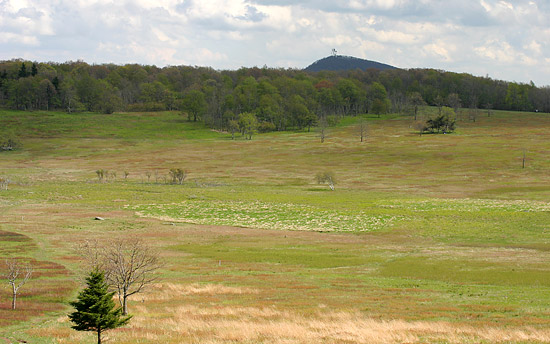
17 275
95 308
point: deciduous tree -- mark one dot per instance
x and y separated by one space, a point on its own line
233 127
326 178
416 100
129 265
362 129
248 124
323 128
17 274
194 103
178 175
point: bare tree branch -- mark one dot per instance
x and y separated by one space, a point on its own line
18 273
326 177
129 265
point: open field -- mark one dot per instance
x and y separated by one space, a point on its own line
427 239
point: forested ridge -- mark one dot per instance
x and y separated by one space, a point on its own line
339 62
270 99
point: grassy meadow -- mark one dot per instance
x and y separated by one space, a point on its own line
426 239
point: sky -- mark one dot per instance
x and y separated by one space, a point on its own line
502 39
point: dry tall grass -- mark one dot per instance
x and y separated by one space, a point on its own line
171 291
154 322
193 324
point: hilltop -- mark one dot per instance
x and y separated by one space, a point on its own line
339 62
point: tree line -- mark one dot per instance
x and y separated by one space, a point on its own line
250 99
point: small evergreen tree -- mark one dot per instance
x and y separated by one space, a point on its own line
95 308
34 69
23 71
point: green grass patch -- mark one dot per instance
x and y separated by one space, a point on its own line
279 216
432 227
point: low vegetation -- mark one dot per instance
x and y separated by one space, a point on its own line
426 238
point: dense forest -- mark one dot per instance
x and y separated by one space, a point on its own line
268 99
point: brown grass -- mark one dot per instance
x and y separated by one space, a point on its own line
198 303
171 291
192 324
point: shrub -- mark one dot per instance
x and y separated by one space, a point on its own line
4 183
9 144
265 127
149 106
326 177
332 120
178 175
444 123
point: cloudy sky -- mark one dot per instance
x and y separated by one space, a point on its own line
503 39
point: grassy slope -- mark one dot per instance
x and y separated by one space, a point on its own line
467 245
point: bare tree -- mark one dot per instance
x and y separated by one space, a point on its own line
326 177
415 100
129 265
420 126
453 101
233 127
362 129
322 128
18 273
93 252
473 114
156 176
4 182
101 173
488 107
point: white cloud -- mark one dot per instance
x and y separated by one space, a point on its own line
8 37
390 36
439 50
534 47
477 36
337 41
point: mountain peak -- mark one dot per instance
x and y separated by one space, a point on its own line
340 62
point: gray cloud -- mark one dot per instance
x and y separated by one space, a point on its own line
252 14
507 40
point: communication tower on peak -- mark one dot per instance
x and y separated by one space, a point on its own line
334 52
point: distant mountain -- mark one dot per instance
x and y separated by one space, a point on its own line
339 62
